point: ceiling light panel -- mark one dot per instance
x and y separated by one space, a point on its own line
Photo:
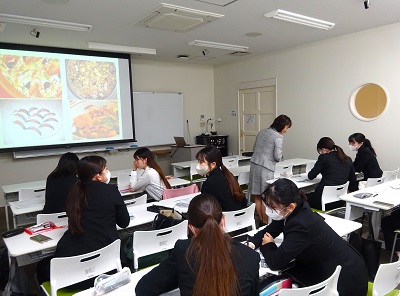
299 19
218 2
225 46
177 18
120 48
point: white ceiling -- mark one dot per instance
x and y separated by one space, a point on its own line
112 22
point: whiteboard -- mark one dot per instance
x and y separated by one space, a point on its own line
158 117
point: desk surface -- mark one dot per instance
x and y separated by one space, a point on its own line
186 164
301 180
295 161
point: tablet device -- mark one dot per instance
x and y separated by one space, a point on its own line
40 238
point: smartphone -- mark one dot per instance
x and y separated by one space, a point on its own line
40 238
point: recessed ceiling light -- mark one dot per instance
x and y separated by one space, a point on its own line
232 47
253 34
120 48
183 57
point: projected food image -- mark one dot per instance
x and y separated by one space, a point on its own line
95 119
29 77
91 80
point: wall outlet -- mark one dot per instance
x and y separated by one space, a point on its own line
202 124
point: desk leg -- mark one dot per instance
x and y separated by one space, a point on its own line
6 214
353 212
13 269
376 222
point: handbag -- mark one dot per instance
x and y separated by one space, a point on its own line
166 218
369 248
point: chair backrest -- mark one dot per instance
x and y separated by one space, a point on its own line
26 194
387 278
235 220
230 162
310 165
374 181
326 288
66 271
390 175
154 241
283 170
175 192
57 218
331 193
243 178
123 180
141 200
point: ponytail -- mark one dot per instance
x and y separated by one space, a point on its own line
343 157
233 184
76 200
367 144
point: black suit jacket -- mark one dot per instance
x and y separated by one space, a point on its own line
175 272
367 163
217 186
317 250
56 194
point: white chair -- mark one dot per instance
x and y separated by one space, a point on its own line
141 200
154 241
386 280
230 162
374 181
310 165
324 288
57 218
27 194
235 220
283 170
175 192
123 181
71 270
390 175
331 194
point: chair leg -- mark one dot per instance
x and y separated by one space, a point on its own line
394 245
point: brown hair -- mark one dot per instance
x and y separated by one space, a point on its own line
86 169
213 154
280 122
151 162
328 143
210 250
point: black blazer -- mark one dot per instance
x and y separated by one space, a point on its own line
56 194
367 163
175 272
217 186
317 250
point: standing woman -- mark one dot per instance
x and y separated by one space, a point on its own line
365 161
315 246
147 174
209 263
59 182
220 182
267 152
335 167
94 209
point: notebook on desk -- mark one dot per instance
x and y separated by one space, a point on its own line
180 141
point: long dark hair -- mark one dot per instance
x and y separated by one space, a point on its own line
213 154
360 138
151 162
66 165
282 191
280 122
87 168
210 250
328 143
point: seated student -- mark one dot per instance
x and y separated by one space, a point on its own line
316 248
220 182
94 209
147 174
210 263
335 167
58 183
388 225
365 161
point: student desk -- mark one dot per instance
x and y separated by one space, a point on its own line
388 193
182 169
302 182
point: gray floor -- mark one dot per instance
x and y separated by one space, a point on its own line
30 269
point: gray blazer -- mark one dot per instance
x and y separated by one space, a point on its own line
267 148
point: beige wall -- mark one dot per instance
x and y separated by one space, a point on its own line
195 81
314 83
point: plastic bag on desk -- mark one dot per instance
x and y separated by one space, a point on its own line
105 283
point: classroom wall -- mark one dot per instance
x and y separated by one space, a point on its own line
314 83
195 81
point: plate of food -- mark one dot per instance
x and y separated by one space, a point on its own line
95 120
91 80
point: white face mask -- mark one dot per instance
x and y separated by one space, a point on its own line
273 214
353 148
202 169
108 176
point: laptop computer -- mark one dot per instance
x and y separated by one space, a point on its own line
180 141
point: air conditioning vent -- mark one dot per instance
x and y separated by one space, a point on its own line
176 18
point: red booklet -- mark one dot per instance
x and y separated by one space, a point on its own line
45 226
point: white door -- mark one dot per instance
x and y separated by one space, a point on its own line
257 110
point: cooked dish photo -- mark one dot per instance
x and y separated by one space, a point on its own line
30 77
95 120
91 80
